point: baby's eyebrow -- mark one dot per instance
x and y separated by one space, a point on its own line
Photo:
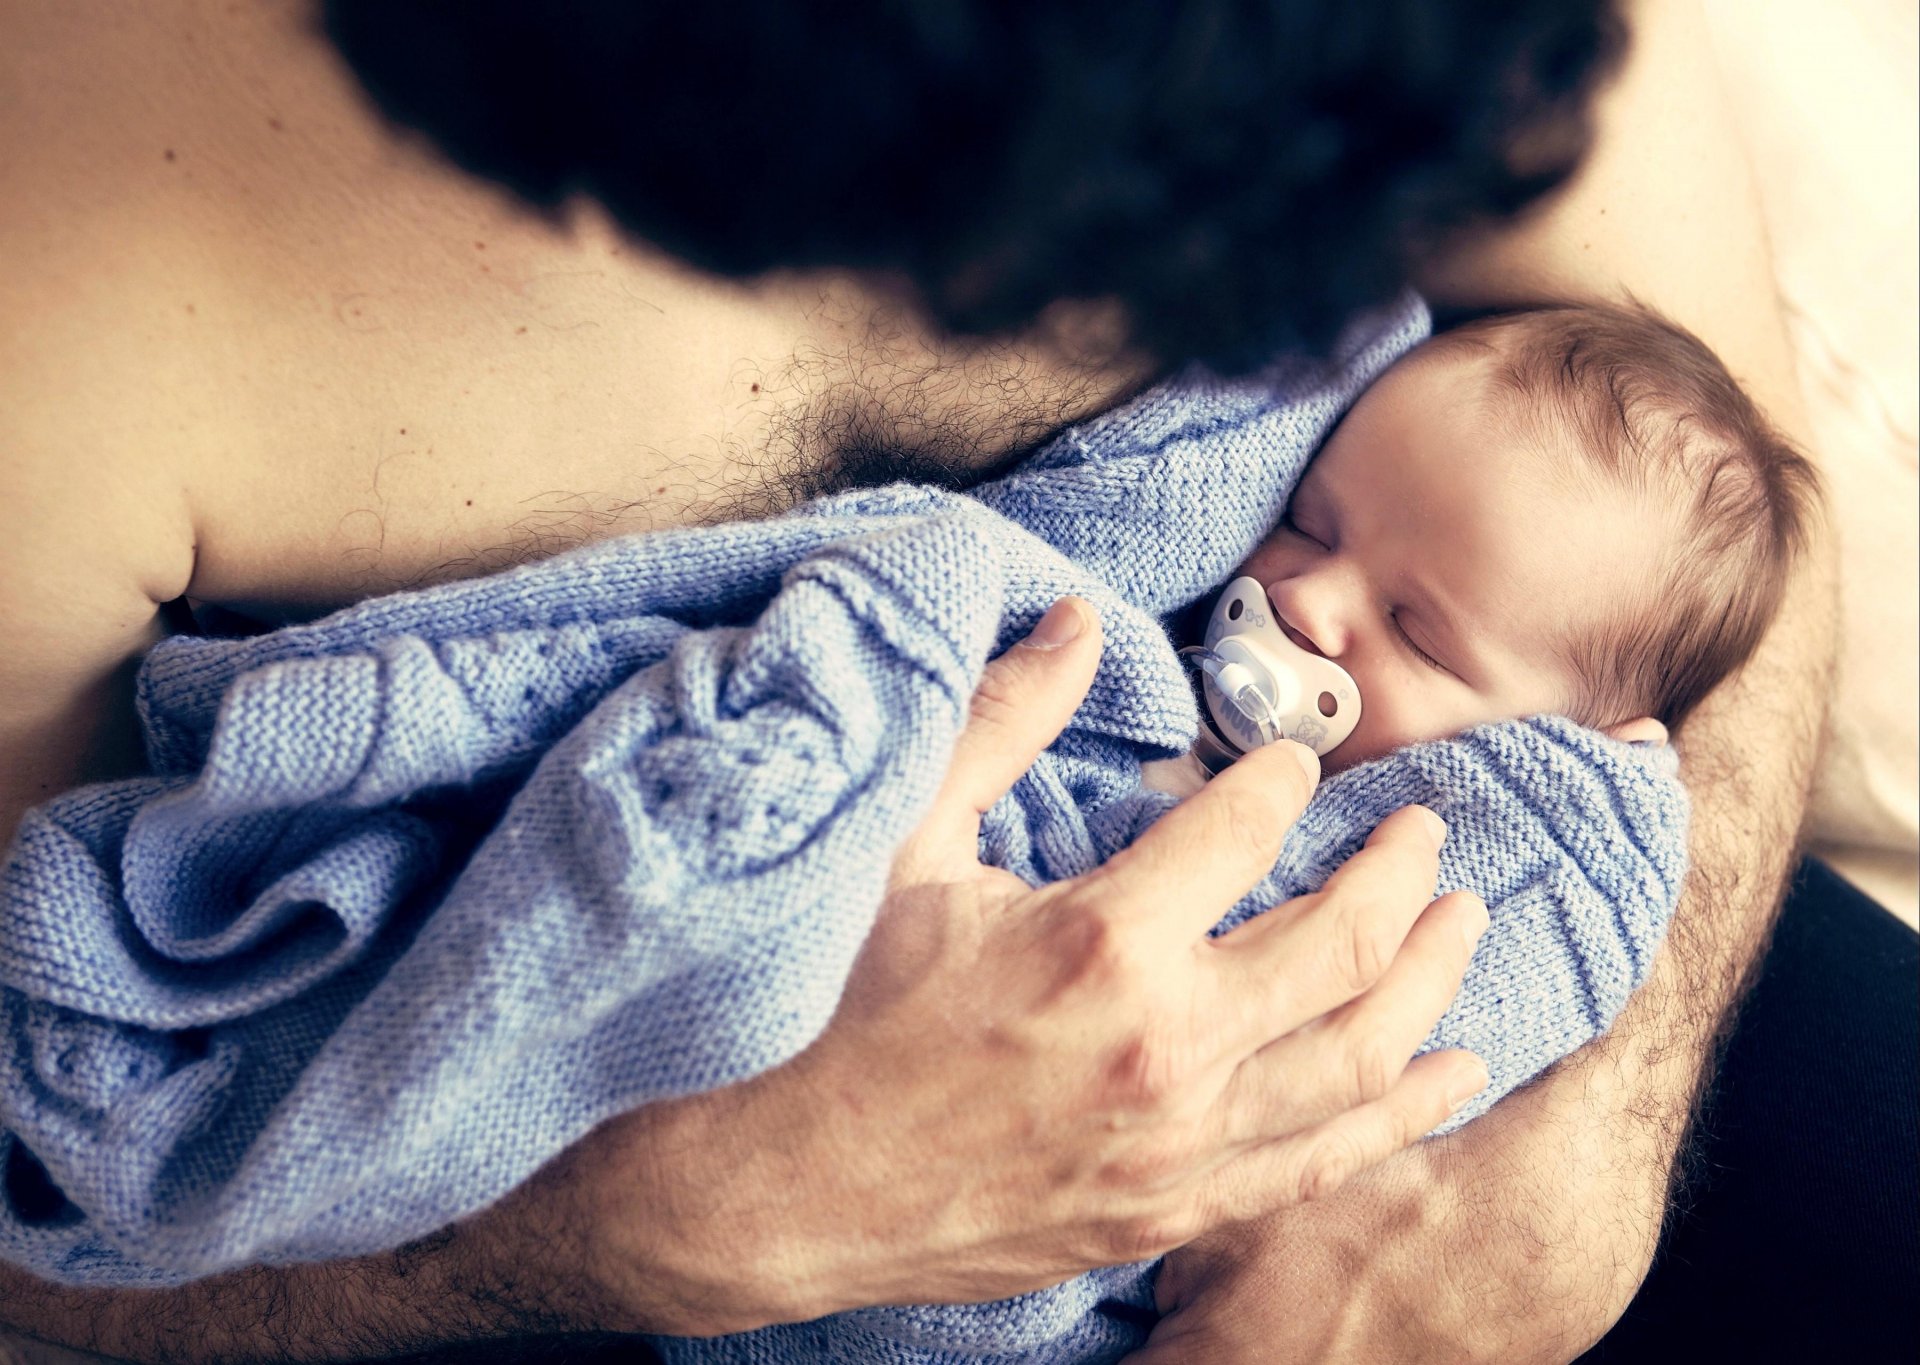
1314 477
1318 494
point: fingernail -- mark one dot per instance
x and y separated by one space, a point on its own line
1468 1084
1474 924
1436 827
1062 625
1308 760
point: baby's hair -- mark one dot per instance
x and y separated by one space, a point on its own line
1649 404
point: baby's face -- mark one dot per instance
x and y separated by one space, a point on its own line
1447 562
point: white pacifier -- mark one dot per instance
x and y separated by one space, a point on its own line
1261 686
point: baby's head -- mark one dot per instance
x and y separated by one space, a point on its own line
1567 510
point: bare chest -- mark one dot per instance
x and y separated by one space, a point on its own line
313 363
418 434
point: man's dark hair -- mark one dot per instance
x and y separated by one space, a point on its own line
1644 402
1235 175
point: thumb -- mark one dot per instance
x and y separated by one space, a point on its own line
1024 700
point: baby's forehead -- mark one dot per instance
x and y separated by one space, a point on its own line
1593 405
1468 399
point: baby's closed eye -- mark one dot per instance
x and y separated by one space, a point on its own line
1414 645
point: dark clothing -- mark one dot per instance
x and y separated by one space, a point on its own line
1797 1236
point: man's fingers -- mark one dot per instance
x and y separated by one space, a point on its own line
1319 951
1405 845
1356 1054
1024 700
1185 872
1313 1164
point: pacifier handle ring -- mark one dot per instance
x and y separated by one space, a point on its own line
1216 669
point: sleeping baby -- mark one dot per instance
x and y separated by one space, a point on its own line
1565 511
417 894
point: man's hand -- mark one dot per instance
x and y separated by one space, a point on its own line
1021 1084
1520 1238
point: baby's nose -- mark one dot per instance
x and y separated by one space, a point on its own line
1316 610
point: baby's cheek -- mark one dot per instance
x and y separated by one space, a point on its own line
1389 720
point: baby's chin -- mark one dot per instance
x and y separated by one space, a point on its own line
1358 749
1366 744
1341 759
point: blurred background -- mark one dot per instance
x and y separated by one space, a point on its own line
1828 95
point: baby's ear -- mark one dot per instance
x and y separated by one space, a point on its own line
1645 730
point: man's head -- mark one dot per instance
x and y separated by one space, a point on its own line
1564 510
1230 174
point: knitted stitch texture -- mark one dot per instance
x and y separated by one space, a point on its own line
418 894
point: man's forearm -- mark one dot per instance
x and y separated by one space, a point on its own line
452 1287
1747 757
1520 1238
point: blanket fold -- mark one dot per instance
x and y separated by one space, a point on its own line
419 893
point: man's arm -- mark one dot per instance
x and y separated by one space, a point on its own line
453 1287
1525 1235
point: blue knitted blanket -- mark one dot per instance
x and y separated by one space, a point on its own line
416 895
